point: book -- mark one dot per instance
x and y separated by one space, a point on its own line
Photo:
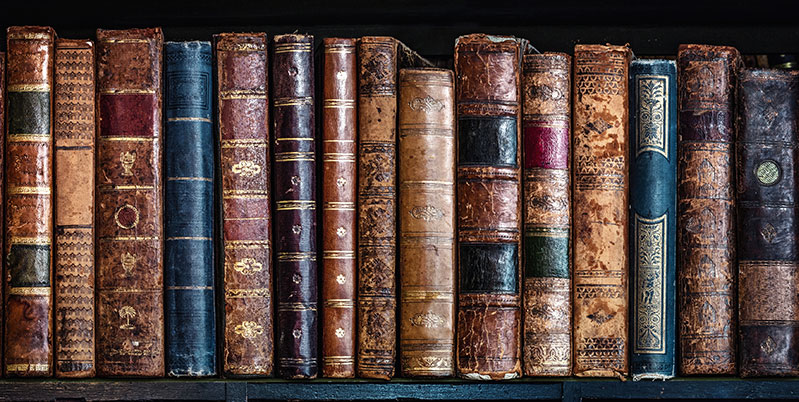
339 193
29 202
653 218
129 298
768 257
488 111
426 214
546 115
74 130
706 208
243 116
601 123
189 161
295 198
2 174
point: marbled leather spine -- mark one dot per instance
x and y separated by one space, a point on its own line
768 257
707 77
29 203
601 123
653 218
295 212
189 318
130 303
546 115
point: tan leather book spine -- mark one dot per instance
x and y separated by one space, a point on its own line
339 192
74 129
601 135
426 211
29 203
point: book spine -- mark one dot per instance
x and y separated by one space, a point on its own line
243 106
768 257
377 198
339 132
653 217
601 124
487 73
29 203
295 196
546 90
706 208
74 137
426 127
2 184
189 211
130 303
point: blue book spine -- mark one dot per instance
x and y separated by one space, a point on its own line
653 218
189 211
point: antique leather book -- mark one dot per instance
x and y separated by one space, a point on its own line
74 130
2 174
243 107
768 258
295 199
426 211
29 202
601 123
189 211
339 189
488 97
546 115
130 303
653 219
706 208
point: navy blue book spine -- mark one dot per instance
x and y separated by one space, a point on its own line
653 219
188 213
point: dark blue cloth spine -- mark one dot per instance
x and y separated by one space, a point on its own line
653 219
188 212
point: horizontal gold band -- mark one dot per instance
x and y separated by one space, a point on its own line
340 50
200 119
208 179
28 190
256 218
30 291
31 241
189 288
111 187
245 293
244 191
129 238
307 100
132 139
243 96
292 51
338 255
28 88
242 47
127 91
29 36
246 244
338 359
296 256
200 238
294 159
296 307
260 144
29 138
339 304
245 197
25 367
127 40
417 295
294 139
340 141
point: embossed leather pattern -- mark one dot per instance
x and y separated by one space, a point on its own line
706 208
295 197
74 130
601 125
546 89
29 202
426 211
653 218
487 71
130 308
768 261
243 106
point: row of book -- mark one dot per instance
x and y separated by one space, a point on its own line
525 214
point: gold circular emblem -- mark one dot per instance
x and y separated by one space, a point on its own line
126 217
767 172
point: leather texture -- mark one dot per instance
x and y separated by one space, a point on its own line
189 211
546 108
706 208
130 304
74 129
29 202
768 257
295 197
339 193
2 180
487 73
426 215
601 132
243 116
653 218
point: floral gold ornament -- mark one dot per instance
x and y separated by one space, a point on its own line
427 320
296 229
127 159
341 279
341 182
246 168
247 266
297 333
248 329
126 313
340 332
128 262
341 232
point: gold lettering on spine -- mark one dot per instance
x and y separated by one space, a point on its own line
650 286
653 94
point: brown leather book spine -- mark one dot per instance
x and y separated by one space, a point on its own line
2 179
74 129
546 108
377 197
243 105
426 128
601 133
339 190
707 77
130 303
29 203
